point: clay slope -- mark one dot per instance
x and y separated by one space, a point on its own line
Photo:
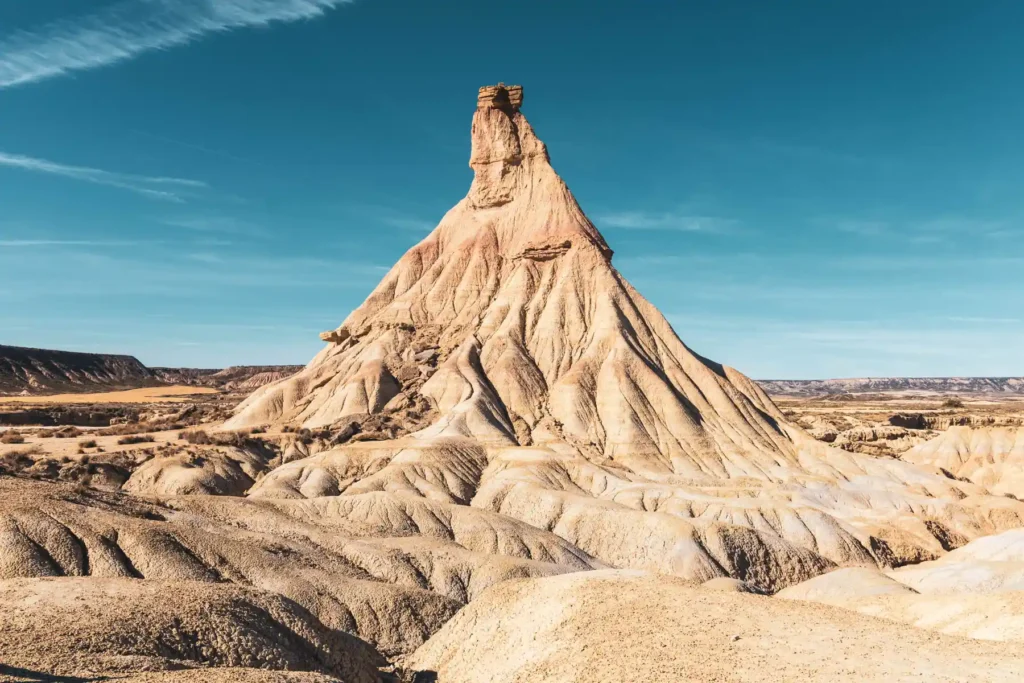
990 456
974 591
510 319
627 626
36 371
74 626
384 568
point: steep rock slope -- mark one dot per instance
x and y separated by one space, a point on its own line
559 396
537 339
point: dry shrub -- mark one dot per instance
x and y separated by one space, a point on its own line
88 443
127 428
239 439
135 438
953 402
14 461
45 433
196 437
68 432
12 438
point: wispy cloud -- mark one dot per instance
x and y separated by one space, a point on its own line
864 228
943 229
166 189
216 224
206 257
642 220
389 216
407 223
984 321
126 29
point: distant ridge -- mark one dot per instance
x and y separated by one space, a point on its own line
233 378
924 385
29 371
37 371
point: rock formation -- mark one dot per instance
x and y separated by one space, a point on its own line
561 397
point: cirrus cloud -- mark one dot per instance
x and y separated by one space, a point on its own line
126 29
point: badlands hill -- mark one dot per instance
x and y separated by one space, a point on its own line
537 383
237 378
33 371
25 371
884 385
504 466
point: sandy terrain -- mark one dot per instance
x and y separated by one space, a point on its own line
172 394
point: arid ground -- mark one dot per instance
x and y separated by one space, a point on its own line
505 466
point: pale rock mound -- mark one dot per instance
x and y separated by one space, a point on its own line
74 626
356 566
992 457
990 564
212 472
991 616
543 387
976 591
629 626
842 585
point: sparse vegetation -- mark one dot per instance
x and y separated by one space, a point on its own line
129 428
135 438
14 461
68 432
239 439
953 402
12 438
196 437
88 443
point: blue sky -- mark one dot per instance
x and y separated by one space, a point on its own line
805 189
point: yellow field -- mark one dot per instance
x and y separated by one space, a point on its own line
173 394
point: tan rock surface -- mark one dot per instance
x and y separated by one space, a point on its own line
355 567
992 457
975 591
628 626
75 626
